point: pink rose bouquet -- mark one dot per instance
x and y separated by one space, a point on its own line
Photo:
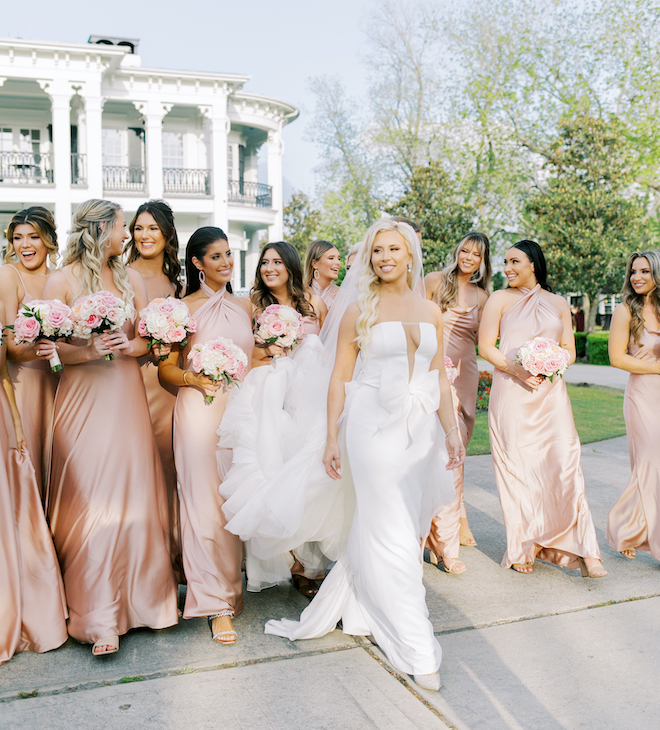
98 313
279 325
543 356
451 370
220 360
44 319
166 321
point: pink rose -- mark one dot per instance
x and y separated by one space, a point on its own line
176 334
55 318
142 328
166 307
276 328
197 362
92 321
538 366
26 328
553 365
192 325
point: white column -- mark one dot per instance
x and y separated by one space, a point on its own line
275 149
154 147
94 145
219 127
61 119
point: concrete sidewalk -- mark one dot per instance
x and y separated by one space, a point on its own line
548 651
581 372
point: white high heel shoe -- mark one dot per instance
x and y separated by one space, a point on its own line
428 681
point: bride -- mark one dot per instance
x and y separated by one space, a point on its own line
394 456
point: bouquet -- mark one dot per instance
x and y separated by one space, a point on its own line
543 356
98 313
220 360
166 321
451 370
279 325
44 319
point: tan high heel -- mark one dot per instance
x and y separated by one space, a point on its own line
517 567
448 564
593 572
465 536
107 641
629 553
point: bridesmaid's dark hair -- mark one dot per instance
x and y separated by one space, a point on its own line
198 245
161 212
534 253
263 297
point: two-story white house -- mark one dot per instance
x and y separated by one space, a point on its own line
81 121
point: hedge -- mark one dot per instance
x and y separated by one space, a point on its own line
581 344
597 348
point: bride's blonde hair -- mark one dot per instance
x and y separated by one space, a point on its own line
369 283
86 244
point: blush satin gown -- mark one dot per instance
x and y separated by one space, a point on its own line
328 294
32 606
34 389
395 461
107 502
212 556
536 451
634 520
460 333
279 499
161 400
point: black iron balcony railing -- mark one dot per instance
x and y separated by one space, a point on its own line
28 168
124 179
78 170
186 181
257 195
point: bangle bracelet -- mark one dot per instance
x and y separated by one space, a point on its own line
453 428
185 382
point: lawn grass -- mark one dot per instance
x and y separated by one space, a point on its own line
598 413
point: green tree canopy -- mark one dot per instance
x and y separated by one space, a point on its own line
434 203
589 215
301 222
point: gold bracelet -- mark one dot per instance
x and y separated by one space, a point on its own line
185 382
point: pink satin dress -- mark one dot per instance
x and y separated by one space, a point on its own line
311 326
536 451
161 400
108 504
328 294
212 556
634 520
32 606
34 389
460 334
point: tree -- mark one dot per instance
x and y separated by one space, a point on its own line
434 203
301 222
588 214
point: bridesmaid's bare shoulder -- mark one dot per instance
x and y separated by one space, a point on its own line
483 297
9 278
432 282
244 303
557 301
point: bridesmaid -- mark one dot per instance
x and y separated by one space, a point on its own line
153 252
279 280
31 245
536 448
322 264
634 522
211 555
107 501
460 291
32 606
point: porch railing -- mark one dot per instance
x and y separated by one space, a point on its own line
124 179
29 168
257 195
186 181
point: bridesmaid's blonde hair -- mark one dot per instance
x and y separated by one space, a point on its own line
87 240
634 301
448 290
369 283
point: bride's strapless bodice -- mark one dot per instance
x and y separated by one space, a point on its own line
401 374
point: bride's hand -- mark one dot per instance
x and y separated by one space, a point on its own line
332 460
455 451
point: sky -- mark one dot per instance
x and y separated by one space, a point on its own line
281 45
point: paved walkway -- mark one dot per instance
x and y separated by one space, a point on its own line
547 651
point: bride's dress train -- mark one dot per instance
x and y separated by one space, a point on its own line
397 457
279 499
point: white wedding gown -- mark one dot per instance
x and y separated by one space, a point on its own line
395 461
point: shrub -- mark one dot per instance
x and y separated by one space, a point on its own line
597 348
581 344
483 391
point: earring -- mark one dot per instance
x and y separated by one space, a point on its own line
409 267
316 274
202 277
